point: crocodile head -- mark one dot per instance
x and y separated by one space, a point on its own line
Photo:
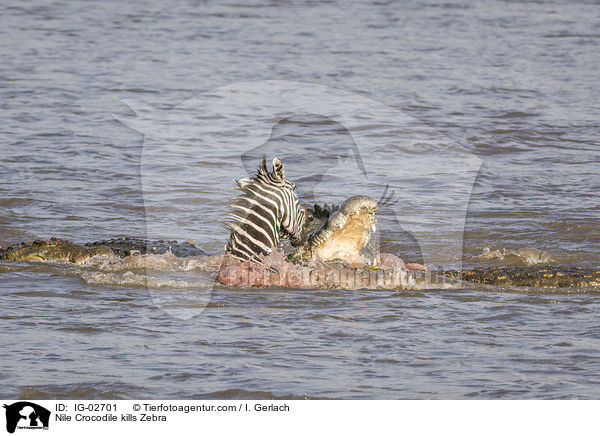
344 235
54 250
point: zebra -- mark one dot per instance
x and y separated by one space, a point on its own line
266 211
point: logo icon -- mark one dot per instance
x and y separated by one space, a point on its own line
26 415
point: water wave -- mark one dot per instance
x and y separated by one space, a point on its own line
166 262
519 257
131 279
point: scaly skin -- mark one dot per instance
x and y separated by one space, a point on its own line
54 250
531 276
58 250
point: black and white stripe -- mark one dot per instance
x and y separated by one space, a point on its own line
267 211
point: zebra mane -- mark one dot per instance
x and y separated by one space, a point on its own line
276 177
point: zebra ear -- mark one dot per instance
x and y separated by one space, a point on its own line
278 170
262 167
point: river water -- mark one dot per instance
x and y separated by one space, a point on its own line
132 120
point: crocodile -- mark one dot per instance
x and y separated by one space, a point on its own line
538 276
60 250
338 251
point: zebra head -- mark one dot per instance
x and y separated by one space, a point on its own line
267 210
293 215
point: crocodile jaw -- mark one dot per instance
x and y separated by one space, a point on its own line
347 232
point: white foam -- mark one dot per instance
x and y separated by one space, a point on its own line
131 279
521 257
166 262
